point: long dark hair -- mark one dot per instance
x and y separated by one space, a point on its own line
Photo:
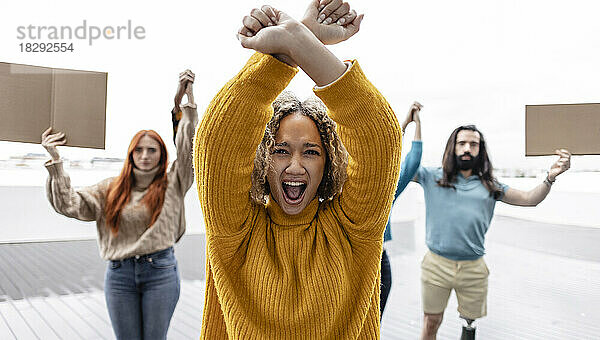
482 168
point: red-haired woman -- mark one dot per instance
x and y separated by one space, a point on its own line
139 216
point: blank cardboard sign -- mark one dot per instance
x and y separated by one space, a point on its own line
32 98
575 127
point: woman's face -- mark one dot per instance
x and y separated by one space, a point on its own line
297 163
146 153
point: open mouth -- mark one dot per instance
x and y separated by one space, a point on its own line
293 192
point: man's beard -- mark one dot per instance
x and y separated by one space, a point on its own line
466 164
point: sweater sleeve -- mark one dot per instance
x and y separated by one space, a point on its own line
85 204
227 137
182 166
409 167
371 134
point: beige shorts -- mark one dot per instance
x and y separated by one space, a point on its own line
469 279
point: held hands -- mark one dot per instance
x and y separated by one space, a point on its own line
413 115
51 141
331 21
561 165
268 31
186 79
265 29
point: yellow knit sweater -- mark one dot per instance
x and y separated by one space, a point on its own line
314 275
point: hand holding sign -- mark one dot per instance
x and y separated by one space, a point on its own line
51 141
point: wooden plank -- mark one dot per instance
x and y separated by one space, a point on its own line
187 316
191 300
35 320
50 273
23 270
99 309
5 331
85 261
100 300
59 324
175 334
75 303
75 321
8 279
178 328
15 321
58 270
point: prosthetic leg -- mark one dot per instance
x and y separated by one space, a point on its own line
468 331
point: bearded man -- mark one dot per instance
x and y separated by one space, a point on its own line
460 198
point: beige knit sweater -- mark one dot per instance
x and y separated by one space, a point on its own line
134 236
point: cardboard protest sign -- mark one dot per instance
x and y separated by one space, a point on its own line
575 127
32 98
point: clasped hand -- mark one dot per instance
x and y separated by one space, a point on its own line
270 31
186 80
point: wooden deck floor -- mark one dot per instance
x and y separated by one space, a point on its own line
54 290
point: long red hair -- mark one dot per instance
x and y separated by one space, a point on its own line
119 191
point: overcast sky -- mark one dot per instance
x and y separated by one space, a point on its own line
475 62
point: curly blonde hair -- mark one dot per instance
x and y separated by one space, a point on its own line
336 156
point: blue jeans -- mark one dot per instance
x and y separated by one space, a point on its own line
141 294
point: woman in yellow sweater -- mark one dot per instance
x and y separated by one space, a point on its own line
305 265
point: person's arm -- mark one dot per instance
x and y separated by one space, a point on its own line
371 134
359 110
227 137
85 204
409 167
184 136
414 115
417 130
536 195
185 77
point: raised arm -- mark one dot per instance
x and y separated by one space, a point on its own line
184 134
536 195
413 116
371 134
85 204
227 137
413 158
